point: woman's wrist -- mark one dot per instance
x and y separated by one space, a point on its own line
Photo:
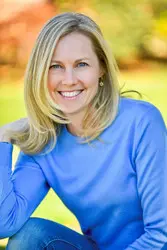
4 138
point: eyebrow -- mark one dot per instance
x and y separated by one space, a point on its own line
78 60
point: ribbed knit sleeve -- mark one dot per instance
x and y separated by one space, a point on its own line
151 171
20 191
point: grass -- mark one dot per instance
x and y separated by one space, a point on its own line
153 86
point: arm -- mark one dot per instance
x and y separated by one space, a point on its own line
20 192
151 170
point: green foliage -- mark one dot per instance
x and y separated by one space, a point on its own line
161 25
127 25
158 7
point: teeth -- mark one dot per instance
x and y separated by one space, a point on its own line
70 94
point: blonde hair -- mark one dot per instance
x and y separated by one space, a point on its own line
45 118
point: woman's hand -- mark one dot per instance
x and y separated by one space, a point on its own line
15 126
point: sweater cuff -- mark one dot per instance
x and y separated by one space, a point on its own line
6 150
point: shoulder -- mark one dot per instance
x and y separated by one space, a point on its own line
133 105
138 109
138 115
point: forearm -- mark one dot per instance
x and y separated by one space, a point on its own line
5 182
18 196
150 240
151 171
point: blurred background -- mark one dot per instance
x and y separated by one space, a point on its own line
136 31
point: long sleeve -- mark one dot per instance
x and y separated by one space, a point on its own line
20 192
151 170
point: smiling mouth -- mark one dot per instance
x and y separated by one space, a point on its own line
70 94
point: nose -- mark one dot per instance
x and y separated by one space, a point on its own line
69 77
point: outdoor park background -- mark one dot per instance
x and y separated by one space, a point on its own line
136 31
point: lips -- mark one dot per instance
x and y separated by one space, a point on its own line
70 94
70 90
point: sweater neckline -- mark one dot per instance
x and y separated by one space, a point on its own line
70 137
70 134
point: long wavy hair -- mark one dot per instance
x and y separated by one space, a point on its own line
45 118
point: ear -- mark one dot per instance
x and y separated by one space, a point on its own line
102 72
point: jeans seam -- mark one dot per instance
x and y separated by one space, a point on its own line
77 247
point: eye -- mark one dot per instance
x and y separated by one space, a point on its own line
82 64
55 66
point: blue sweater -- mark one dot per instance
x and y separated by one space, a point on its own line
117 189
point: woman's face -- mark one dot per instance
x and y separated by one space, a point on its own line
74 73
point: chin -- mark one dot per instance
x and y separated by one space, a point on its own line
72 111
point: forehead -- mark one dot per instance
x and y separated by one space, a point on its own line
74 45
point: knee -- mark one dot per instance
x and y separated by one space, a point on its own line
27 237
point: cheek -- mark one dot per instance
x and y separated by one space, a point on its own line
93 83
51 87
89 79
51 83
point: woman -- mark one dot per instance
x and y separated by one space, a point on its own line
103 155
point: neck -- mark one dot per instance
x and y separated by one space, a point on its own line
74 130
75 126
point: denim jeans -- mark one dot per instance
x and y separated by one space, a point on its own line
38 233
